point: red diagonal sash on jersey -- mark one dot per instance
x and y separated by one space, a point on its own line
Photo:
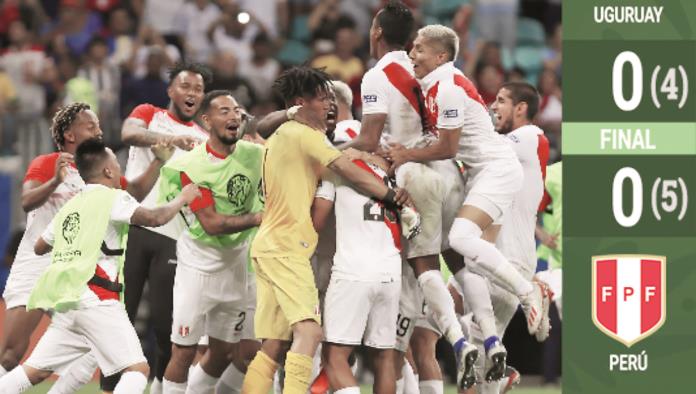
393 226
404 82
469 88
351 133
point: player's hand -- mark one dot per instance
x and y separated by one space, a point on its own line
61 170
163 150
185 142
397 155
258 218
403 198
548 240
190 192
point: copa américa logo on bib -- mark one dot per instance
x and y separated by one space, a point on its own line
629 295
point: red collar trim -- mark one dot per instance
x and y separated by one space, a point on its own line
214 153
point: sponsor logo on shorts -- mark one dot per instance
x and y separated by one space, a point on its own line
184 331
369 98
450 113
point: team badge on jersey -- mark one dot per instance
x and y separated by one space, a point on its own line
369 98
628 296
450 113
71 226
238 188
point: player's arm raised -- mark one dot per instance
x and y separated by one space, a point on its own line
141 186
370 132
323 203
154 217
268 125
36 193
445 147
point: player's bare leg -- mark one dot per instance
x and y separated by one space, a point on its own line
176 374
241 355
423 344
337 366
19 324
385 377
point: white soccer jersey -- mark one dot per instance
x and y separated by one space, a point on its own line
391 88
107 266
516 238
346 130
139 157
453 102
368 237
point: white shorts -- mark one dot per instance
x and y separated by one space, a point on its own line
428 321
492 188
361 312
22 279
202 306
103 329
411 304
244 328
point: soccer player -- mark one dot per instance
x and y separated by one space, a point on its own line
83 285
287 313
50 181
362 300
394 112
152 251
465 131
210 288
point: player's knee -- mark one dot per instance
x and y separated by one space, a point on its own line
463 233
308 330
183 354
12 355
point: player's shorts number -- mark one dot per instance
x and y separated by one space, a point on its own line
240 326
402 325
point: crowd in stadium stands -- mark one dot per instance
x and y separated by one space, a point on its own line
114 54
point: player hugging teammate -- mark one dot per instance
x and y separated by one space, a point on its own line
332 232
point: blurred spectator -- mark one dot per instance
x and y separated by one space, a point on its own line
497 21
150 88
272 14
106 79
24 63
326 19
553 53
234 31
193 21
160 15
489 81
149 40
77 88
262 69
225 77
517 74
75 26
361 12
28 11
550 106
342 63
8 101
120 37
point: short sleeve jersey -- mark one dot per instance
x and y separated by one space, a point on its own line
391 88
139 158
295 157
107 266
454 102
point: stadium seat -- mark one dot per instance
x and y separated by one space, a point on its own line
443 10
530 32
529 58
293 53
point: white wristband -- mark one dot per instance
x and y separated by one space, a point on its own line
290 113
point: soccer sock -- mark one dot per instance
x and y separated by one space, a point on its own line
173 387
298 373
78 374
410 379
259 376
484 258
440 302
3 371
131 382
15 381
348 390
200 382
230 381
477 294
400 386
431 387
156 386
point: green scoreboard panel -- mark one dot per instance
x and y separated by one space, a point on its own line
629 225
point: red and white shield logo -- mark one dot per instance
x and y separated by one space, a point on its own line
628 296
